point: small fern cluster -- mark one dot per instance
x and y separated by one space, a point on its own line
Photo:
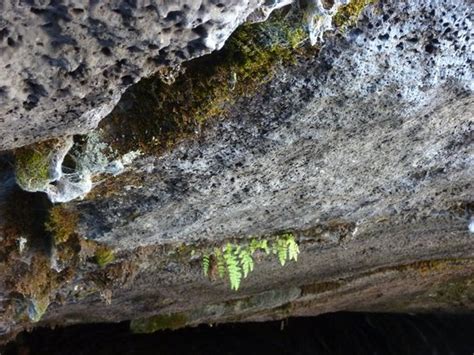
237 260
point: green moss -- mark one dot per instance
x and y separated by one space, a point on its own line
62 223
160 322
104 256
35 285
347 15
32 165
161 115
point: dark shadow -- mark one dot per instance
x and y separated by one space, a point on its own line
337 333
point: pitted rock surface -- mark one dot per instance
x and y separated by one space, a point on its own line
364 152
379 124
65 64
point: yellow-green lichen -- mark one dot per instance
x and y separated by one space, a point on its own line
62 223
159 322
104 256
347 15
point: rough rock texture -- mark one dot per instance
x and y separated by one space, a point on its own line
363 152
379 124
64 64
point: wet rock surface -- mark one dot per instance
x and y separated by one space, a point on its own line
362 152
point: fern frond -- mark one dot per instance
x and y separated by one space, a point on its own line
220 262
282 251
205 265
246 261
293 249
253 246
259 245
237 261
233 268
237 249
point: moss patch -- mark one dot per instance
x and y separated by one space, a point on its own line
161 115
347 15
62 223
104 256
32 164
160 322
36 274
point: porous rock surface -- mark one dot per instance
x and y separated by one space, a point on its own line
364 152
65 64
379 123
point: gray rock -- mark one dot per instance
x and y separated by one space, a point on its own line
65 65
363 152
377 125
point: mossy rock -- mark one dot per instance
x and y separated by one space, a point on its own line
32 166
159 322
104 256
62 223
161 115
347 15
39 164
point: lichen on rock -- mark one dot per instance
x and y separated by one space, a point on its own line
348 13
319 16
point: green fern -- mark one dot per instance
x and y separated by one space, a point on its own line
281 250
246 261
233 268
293 248
259 245
205 265
253 246
237 260
220 263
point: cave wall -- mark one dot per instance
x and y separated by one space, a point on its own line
360 149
